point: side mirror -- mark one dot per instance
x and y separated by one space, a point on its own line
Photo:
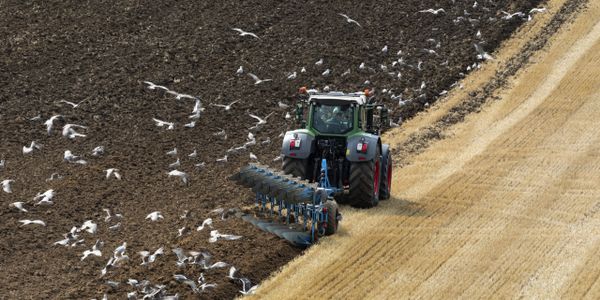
299 113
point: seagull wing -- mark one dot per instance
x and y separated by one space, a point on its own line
354 21
254 77
256 117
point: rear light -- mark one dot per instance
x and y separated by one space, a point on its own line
295 144
362 147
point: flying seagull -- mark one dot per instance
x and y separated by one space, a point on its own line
433 11
244 33
258 80
46 197
350 20
6 185
482 55
226 107
95 251
161 123
37 222
208 222
152 86
18 205
182 175
74 105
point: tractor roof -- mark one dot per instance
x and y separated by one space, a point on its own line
358 98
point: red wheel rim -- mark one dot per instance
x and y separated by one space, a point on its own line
376 179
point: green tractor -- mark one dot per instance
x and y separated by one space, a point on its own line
337 155
345 130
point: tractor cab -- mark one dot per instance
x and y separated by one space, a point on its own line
340 114
332 117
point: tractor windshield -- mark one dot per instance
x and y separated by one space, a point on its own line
334 119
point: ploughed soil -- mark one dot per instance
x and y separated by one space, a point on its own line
99 52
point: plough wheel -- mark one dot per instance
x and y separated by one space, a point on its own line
332 217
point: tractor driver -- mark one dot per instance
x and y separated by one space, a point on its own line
338 122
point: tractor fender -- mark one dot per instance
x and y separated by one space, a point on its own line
306 145
372 141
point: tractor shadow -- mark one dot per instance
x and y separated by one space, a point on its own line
394 206
399 206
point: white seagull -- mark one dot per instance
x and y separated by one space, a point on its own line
74 105
152 86
95 251
69 157
46 197
232 271
34 145
161 123
244 33
69 131
182 175
240 71
197 107
537 10
350 20
260 120
433 11
37 222
179 96
258 80
215 235
6 185
98 151
154 216
18 205
172 152
226 107
508 16
50 122
114 172
208 222
175 164
482 55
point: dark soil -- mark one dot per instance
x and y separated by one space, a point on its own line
101 51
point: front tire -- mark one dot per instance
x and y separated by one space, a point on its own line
364 182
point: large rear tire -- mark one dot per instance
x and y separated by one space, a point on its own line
364 182
296 167
385 187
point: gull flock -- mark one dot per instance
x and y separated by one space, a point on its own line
79 234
